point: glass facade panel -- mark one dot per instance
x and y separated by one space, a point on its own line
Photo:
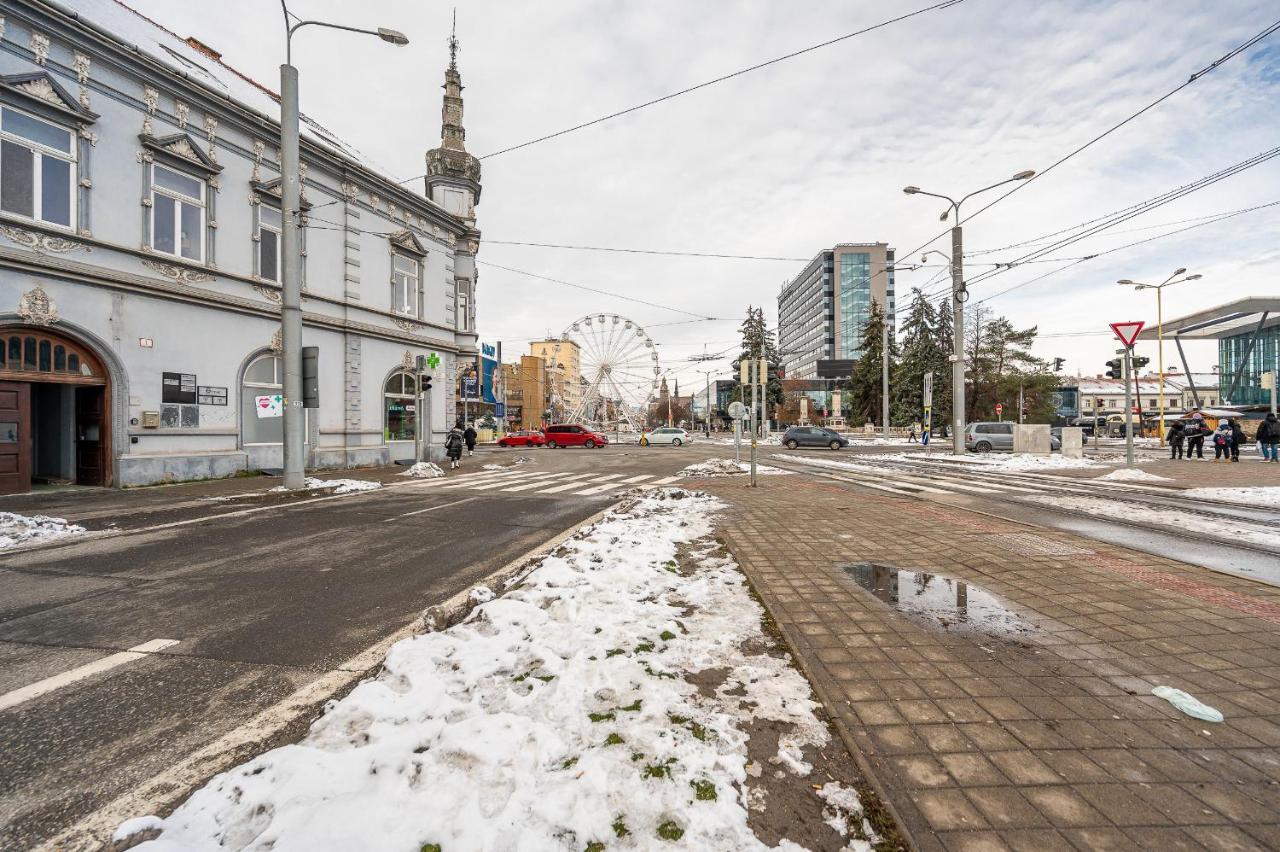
1262 358
55 191
162 237
854 293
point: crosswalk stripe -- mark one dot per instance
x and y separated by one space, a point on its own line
640 478
667 481
600 489
557 489
538 483
492 478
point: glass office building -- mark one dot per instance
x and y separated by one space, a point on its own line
1260 357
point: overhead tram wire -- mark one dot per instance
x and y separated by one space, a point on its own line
647 251
701 317
1212 66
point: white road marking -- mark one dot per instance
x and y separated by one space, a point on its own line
525 486
640 478
667 481
49 684
578 484
431 509
600 489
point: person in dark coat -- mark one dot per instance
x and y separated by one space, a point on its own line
1194 432
470 437
1269 438
453 444
1175 438
1238 437
1222 441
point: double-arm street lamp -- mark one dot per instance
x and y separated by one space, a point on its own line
958 297
290 246
1159 288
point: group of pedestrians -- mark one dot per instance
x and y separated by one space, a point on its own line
458 438
1226 439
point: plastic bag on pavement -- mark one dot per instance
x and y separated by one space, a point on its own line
1187 704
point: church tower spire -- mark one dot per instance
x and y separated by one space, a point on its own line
453 175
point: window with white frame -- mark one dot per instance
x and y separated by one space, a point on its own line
269 227
406 293
464 312
37 169
177 213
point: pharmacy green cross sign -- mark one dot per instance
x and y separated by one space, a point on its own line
433 360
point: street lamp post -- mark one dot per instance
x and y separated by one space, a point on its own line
1159 288
290 246
958 297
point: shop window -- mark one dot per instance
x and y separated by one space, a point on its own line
400 407
37 168
261 397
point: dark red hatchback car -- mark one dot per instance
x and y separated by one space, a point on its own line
573 435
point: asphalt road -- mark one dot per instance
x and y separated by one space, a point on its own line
264 594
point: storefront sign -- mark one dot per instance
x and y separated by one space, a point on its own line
178 387
210 395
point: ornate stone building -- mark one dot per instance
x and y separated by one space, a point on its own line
139 263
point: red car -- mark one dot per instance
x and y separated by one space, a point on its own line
522 439
574 435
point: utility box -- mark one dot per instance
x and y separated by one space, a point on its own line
1031 438
1072 442
311 377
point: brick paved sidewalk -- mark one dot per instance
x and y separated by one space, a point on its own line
1037 730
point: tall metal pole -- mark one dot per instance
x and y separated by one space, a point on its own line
291 283
957 333
884 364
1160 354
708 411
1128 406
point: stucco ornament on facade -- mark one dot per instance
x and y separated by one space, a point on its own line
211 128
41 88
151 100
258 149
35 307
277 342
404 324
80 62
178 273
407 361
40 47
183 112
268 293
39 242
350 190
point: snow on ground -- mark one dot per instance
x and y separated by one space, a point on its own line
21 529
494 467
1224 527
1262 496
1026 461
339 486
423 470
841 464
727 467
1132 474
556 717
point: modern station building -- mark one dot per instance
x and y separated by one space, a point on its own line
821 312
140 223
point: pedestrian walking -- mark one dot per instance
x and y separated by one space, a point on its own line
1194 432
1269 439
1177 432
470 437
913 434
1222 441
453 444
1238 437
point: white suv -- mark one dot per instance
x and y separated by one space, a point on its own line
669 435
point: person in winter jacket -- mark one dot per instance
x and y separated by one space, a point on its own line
1238 437
1175 438
1194 432
1269 438
1222 441
453 443
470 437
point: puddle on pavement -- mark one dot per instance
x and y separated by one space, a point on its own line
938 599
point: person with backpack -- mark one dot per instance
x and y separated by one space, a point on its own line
1269 438
1222 441
1194 432
470 437
1175 437
1238 437
453 443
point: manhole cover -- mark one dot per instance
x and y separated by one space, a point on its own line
1029 544
938 599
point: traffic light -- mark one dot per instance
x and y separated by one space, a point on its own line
1139 362
426 383
1057 364
311 377
1115 368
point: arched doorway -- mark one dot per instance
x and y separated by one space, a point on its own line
55 399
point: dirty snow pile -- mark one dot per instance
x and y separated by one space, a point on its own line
494 467
1131 474
339 486
1028 461
423 470
21 529
1261 497
555 717
727 467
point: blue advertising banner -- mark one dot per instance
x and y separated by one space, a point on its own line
488 372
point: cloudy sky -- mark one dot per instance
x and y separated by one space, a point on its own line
790 159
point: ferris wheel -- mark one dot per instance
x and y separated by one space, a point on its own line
618 366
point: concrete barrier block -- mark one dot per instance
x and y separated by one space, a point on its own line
1072 442
1031 438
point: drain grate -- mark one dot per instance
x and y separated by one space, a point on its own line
1029 544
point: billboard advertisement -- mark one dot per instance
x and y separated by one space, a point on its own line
489 373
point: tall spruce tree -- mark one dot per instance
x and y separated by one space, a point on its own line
942 382
758 342
921 354
865 386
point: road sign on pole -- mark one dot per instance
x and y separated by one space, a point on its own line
1127 332
999 410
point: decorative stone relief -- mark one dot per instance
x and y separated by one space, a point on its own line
1 26
40 47
151 100
254 198
302 181
407 361
39 242
392 210
183 112
404 324
37 308
210 128
41 88
178 273
374 201
277 341
350 191
258 149
144 156
268 293
80 63
183 148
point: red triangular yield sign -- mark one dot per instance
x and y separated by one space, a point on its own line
1127 331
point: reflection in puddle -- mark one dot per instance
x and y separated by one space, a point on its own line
950 602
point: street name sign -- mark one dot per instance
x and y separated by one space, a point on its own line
1127 331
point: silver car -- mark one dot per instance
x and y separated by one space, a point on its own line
990 435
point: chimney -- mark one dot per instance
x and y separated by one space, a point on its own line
208 51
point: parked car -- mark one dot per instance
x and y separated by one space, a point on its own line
813 436
522 439
673 435
1089 424
573 435
988 436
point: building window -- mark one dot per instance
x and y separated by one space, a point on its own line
406 294
400 407
464 311
37 169
269 227
261 398
177 213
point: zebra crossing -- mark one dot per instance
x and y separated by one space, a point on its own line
566 483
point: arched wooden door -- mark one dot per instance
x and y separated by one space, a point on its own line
39 364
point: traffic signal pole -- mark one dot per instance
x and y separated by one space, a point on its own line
1127 353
